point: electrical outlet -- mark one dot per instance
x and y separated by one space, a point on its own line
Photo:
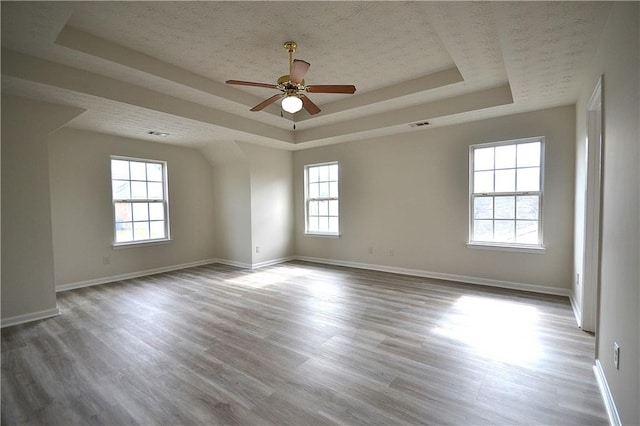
390 252
370 250
577 279
616 355
257 249
106 260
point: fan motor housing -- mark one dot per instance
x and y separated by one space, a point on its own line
285 81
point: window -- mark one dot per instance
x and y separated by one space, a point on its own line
321 199
506 193
139 189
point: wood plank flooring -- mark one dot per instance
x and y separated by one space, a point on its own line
301 344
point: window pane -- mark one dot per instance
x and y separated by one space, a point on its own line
140 181
138 170
323 172
155 190
333 208
313 208
483 208
314 190
140 211
154 172
483 230
140 231
527 232
313 223
119 169
323 208
483 159
322 212
504 231
156 211
505 180
324 189
156 229
121 190
323 224
333 189
333 224
313 174
138 190
482 182
505 207
528 179
527 207
505 157
124 232
529 154
123 212
333 172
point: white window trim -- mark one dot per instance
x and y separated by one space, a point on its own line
165 202
522 248
500 246
307 200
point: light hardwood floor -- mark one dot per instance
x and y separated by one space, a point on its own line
300 344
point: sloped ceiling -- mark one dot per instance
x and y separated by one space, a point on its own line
141 66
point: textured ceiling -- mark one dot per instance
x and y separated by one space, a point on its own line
137 65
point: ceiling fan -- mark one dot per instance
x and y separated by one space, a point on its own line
292 86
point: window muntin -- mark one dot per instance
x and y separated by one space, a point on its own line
321 199
506 193
139 195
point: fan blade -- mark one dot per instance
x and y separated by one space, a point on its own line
309 106
298 70
251 83
332 88
266 102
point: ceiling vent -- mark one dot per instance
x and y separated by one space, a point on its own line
419 124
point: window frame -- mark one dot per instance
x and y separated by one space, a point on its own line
498 245
307 200
164 201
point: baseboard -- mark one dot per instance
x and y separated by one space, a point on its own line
255 265
607 397
369 266
113 278
233 263
138 274
442 276
272 262
576 310
33 316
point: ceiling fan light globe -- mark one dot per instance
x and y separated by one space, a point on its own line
292 104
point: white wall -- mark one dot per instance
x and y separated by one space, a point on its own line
409 193
81 208
271 202
253 202
619 314
28 289
233 213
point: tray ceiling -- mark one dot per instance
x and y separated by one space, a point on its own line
140 66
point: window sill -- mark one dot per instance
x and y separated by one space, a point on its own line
318 234
508 248
132 244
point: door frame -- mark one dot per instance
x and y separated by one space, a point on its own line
593 211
